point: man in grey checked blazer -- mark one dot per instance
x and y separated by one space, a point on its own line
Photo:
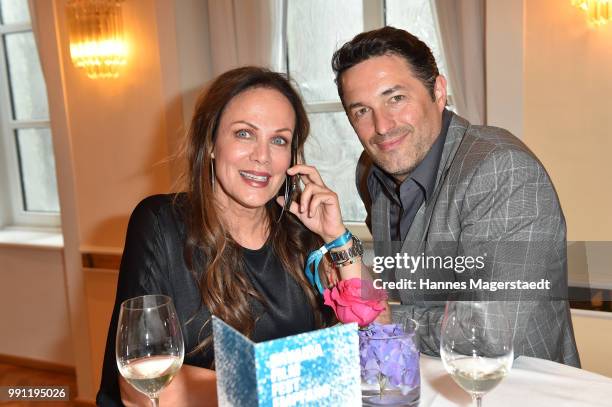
442 186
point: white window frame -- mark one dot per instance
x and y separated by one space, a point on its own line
373 18
12 193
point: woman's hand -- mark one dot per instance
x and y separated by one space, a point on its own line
318 208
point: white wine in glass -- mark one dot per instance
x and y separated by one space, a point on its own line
476 345
149 345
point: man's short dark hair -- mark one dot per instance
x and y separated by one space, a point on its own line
387 41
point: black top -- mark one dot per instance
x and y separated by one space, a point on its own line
153 263
407 197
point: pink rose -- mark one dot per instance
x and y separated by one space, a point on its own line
355 300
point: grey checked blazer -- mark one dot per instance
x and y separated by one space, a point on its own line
490 188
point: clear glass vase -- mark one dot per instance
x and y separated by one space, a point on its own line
390 364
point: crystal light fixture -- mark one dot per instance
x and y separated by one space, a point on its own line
97 44
599 12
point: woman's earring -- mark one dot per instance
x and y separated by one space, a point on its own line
212 172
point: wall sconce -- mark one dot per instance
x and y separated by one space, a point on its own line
599 12
97 44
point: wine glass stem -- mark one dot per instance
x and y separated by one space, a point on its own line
155 402
477 401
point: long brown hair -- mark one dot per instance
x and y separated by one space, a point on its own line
224 287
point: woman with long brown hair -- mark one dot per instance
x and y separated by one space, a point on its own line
233 245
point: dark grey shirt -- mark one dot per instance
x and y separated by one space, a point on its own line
407 197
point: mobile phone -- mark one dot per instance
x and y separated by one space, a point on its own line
293 180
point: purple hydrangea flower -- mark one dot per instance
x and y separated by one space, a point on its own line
389 356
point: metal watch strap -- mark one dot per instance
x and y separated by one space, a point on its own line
342 256
350 261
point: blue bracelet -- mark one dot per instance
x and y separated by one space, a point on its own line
314 258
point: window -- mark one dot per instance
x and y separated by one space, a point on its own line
315 29
28 187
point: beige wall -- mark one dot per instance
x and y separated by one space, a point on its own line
593 330
568 114
504 26
555 90
33 305
112 139
118 129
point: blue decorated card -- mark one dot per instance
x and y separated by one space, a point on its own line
318 368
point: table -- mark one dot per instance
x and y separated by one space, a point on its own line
531 382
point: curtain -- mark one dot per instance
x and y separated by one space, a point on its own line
247 32
461 25
34 23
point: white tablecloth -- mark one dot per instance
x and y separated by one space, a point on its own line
531 382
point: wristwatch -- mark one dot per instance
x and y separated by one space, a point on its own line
342 256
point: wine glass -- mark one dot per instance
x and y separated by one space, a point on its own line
149 347
476 345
